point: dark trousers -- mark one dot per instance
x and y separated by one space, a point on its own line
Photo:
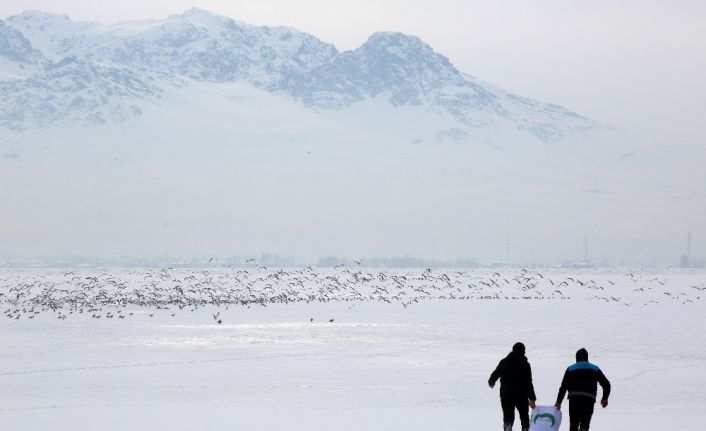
580 413
509 407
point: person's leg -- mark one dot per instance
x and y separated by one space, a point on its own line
523 409
574 415
586 415
508 414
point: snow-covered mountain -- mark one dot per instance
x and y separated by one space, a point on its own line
199 133
56 71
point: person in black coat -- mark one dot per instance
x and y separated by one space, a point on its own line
581 381
516 388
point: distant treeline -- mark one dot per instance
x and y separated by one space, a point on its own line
274 260
397 262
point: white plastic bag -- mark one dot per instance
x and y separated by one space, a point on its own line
545 418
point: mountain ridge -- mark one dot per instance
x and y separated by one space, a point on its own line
133 61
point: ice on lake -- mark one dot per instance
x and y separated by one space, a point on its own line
407 349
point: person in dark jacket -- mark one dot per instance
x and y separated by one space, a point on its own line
581 381
516 389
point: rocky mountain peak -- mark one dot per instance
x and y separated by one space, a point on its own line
135 59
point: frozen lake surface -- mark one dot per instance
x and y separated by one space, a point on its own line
407 349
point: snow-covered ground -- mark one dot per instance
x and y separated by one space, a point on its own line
378 365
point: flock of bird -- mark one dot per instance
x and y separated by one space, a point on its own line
117 294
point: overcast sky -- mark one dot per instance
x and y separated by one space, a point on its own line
637 64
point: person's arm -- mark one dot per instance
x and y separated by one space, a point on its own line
562 389
605 384
530 387
496 374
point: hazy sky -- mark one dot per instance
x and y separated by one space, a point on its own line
636 64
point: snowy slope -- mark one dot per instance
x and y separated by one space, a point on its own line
18 58
74 92
202 46
114 133
267 172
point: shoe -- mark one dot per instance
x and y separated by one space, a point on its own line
507 427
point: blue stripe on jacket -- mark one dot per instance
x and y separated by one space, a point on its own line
584 365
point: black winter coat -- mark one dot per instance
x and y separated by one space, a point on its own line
581 381
515 376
